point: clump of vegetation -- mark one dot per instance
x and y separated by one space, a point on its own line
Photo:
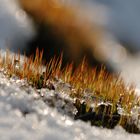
98 95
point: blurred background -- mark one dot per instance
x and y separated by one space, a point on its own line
106 31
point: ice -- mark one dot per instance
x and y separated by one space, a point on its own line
24 117
23 113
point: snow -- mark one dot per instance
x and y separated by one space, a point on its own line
16 29
123 20
15 26
24 115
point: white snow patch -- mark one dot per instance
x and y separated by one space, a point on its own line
15 26
23 117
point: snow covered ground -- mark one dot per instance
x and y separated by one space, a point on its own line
23 115
121 18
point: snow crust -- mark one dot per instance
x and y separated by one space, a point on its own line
23 115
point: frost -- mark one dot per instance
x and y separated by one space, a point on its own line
22 116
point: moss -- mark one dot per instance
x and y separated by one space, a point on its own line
89 87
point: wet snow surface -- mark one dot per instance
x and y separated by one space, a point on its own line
24 115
